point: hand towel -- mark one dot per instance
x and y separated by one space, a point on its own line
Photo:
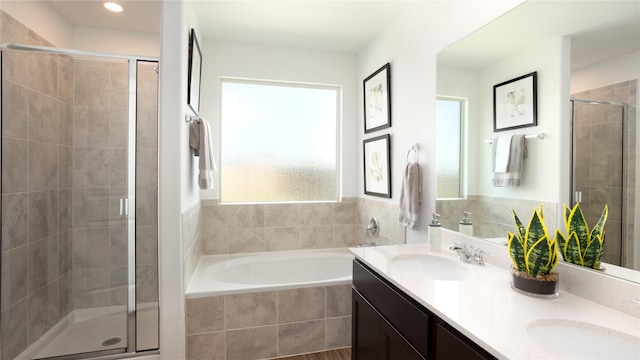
503 151
201 145
410 195
516 162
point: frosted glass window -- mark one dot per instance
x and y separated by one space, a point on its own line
449 118
279 142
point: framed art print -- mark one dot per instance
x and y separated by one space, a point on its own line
515 103
377 100
377 166
195 69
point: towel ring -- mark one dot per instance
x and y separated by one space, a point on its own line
415 149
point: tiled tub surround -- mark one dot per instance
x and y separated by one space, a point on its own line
230 229
284 322
266 325
492 216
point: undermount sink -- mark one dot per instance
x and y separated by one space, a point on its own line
435 267
569 339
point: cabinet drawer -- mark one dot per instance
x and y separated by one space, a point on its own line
409 320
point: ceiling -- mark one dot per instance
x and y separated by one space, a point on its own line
348 26
598 30
341 25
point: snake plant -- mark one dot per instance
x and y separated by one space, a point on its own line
580 246
531 249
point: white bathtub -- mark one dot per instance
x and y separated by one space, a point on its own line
236 274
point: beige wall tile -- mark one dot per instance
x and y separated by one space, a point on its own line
252 343
14 110
282 215
316 237
338 300
14 276
208 346
316 214
14 329
43 73
215 217
14 165
246 216
250 310
301 337
246 240
344 235
14 220
205 314
344 213
215 242
338 332
301 304
280 239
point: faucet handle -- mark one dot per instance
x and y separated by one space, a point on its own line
477 256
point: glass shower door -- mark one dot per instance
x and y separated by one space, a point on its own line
600 167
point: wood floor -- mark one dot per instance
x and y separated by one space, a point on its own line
340 354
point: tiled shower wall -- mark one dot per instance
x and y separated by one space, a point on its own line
36 190
64 137
599 175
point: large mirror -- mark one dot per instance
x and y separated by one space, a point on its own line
579 151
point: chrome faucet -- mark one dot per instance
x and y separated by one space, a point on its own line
468 254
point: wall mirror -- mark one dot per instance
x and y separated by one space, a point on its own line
580 50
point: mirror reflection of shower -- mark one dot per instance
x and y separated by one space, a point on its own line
79 203
603 165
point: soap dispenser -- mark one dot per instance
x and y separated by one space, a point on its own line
435 232
466 226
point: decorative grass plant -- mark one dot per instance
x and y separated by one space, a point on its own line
581 246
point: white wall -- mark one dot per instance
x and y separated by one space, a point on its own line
410 44
612 71
229 59
112 41
541 178
176 195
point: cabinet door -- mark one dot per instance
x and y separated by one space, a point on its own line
374 338
450 346
367 341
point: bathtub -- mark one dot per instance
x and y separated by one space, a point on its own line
269 271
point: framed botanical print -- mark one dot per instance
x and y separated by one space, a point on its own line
377 166
377 100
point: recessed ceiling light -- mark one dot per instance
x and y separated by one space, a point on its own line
113 7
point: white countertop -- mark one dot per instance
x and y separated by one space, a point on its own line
486 309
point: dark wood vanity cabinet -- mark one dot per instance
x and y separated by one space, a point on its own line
389 325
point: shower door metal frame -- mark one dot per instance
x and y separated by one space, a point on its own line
129 202
625 142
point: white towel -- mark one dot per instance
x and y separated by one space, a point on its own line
503 150
516 163
200 143
410 195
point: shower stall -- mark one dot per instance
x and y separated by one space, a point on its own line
603 165
79 204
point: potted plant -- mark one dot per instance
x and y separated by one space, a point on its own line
581 246
533 254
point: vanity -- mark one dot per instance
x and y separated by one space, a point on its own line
410 303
